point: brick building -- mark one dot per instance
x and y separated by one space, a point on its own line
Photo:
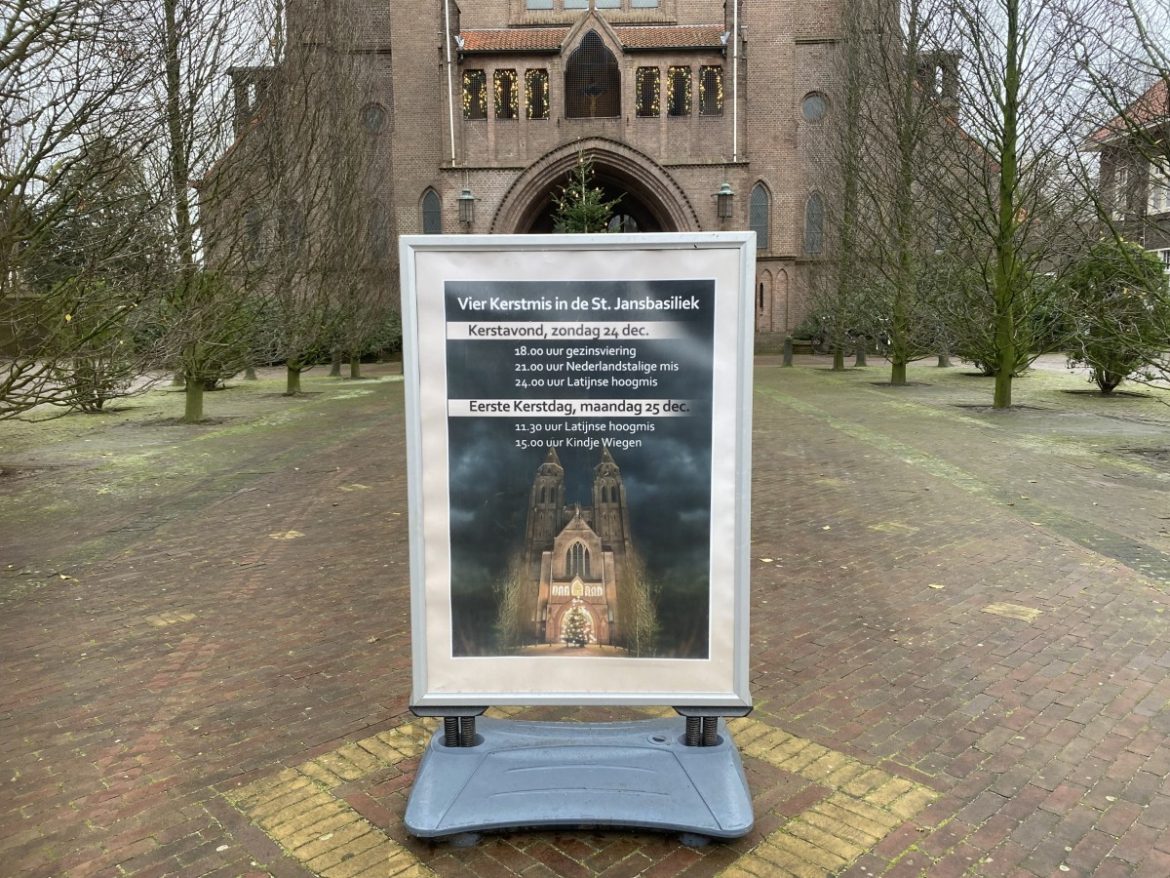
470 118
1135 170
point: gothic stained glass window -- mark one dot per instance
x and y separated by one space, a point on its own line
536 85
432 213
577 562
648 92
760 215
592 81
474 94
678 91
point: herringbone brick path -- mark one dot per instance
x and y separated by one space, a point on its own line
959 647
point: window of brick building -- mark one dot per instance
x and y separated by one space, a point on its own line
538 4
648 91
253 235
378 231
1158 196
474 94
814 224
373 118
710 91
290 228
536 93
506 90
432 213
760 215
1120 194
592 81
678 91
814 107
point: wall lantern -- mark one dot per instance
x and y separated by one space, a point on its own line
723 201
466 207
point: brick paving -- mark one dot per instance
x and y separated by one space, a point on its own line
959 651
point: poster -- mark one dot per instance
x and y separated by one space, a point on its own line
578 420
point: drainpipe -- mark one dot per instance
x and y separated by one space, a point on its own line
735 81
450 82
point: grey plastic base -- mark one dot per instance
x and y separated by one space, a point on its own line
540 774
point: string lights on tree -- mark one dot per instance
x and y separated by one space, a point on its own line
576 628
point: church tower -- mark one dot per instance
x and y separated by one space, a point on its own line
611 517
545 506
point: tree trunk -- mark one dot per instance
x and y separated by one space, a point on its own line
859 354
1007 360
838 358
355 367
293 379
1006 268
898 373
193 402
335 364
250 374
944 360
902 325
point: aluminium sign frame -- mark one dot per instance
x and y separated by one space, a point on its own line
434 269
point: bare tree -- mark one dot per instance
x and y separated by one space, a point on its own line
905 81
186 46
1023 96
315 248
67 80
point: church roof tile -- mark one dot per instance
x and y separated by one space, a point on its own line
515 39
634 37
697 36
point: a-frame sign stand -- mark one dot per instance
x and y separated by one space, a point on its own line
680 775
623 362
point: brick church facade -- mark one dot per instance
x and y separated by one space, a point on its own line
471 116
577 555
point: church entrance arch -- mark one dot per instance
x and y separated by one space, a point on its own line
651 201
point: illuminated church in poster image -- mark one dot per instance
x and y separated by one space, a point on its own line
577 555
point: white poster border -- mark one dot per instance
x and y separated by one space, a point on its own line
442 680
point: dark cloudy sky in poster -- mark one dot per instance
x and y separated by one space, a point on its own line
667 479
